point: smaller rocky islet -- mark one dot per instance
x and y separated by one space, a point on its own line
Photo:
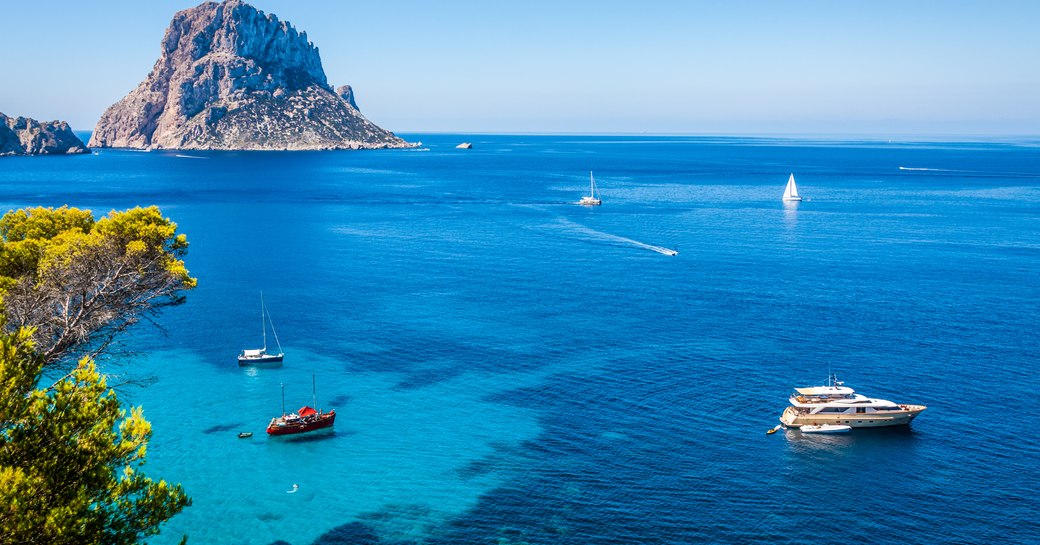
26 136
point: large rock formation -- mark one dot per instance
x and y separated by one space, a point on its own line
24 136
231 77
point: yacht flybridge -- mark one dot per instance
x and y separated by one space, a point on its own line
838 405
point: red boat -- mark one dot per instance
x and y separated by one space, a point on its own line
308 418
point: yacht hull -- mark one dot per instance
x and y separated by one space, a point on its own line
792 418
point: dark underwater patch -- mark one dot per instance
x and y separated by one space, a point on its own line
219 428
427 377
339 401
352 533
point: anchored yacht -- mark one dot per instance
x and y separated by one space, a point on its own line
838 405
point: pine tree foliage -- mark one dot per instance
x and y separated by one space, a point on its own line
70 456
77 282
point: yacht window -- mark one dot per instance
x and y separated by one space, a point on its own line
888 408
832 410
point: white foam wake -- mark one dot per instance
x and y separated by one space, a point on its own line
600 235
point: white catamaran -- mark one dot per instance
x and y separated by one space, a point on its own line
791 191
260 355
592 199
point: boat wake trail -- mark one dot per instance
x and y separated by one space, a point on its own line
189 156
600 235
925 169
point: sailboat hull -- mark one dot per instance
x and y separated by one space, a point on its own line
260 360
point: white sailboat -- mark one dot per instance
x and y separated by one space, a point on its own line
592 199
260 355
791 191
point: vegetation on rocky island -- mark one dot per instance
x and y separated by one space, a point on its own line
70 455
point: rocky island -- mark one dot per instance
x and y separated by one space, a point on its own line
24 136
231 77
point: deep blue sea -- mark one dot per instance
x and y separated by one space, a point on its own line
509 368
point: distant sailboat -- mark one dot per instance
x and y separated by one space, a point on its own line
592 199
260 355
791 191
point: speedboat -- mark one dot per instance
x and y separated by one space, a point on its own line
838 405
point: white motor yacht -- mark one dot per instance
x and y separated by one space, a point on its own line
838 405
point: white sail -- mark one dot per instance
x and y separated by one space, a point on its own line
791 191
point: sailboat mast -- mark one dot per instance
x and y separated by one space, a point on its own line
592 185
273 330
263 320
283 399
314 393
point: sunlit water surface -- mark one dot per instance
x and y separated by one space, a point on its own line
508 367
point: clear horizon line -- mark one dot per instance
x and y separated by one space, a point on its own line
749 134
869 136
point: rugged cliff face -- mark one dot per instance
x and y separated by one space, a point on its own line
231 77
24 136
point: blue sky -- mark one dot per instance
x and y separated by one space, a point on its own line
688 67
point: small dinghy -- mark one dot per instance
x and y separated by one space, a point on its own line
245 434
825 428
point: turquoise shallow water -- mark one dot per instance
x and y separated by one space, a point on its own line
511 368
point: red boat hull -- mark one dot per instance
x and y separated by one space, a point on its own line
283 426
